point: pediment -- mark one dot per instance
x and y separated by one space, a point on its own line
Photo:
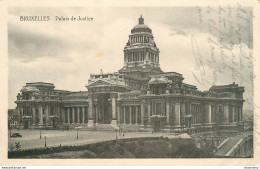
99 83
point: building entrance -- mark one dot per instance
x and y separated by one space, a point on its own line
104 113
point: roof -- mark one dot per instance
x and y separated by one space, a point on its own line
141 27
39 84
221 87
160 81
29 89
77 94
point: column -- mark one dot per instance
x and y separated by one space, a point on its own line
63 115
73 115
33 115
78 120
142 114
19 114
130 114
136 115
113 107
233 113
178 114
83 115
209 112
68 115
183 113
241 113
124 115
47 114
167 112
40 114
225 113
90 112
149 112
118 113
114 120
96 113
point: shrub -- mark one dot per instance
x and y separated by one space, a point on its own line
130 146
141 142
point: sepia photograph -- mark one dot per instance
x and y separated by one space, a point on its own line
130 82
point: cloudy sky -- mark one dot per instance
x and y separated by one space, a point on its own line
66 52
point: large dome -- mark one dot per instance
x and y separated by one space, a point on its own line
141 27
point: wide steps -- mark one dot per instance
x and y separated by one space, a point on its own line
128 127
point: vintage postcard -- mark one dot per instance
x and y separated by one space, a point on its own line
132 81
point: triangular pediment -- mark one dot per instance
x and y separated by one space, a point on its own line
99 83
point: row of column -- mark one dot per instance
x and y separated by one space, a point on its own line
140 56
78 115
129 113
232 113
136 39
40 112
135 56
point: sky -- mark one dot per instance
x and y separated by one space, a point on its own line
67 52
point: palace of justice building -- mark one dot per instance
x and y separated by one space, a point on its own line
140 94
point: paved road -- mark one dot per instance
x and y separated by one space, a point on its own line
31 138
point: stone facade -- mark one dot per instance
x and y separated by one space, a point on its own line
138 94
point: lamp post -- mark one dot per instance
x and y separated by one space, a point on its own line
45 140
40 134
116 133
77 134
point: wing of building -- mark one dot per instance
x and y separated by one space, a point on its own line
139 94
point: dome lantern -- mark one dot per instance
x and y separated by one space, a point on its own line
141 20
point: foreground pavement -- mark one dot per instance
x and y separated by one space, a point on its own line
31 138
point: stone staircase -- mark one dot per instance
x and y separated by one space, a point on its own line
102 127
130 128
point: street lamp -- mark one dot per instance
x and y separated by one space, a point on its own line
77 134
116 133
45 140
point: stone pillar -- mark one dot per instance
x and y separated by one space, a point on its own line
183 113
33 115
19 114
83 115
177 114
63 115
226 119
136 115
233 114
240 113
78 112
73 115
96 113
149 112
118 113
130 114
68 115
209 114
47 114
167 112
90 112
40 114
142 114
124 118
114 121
